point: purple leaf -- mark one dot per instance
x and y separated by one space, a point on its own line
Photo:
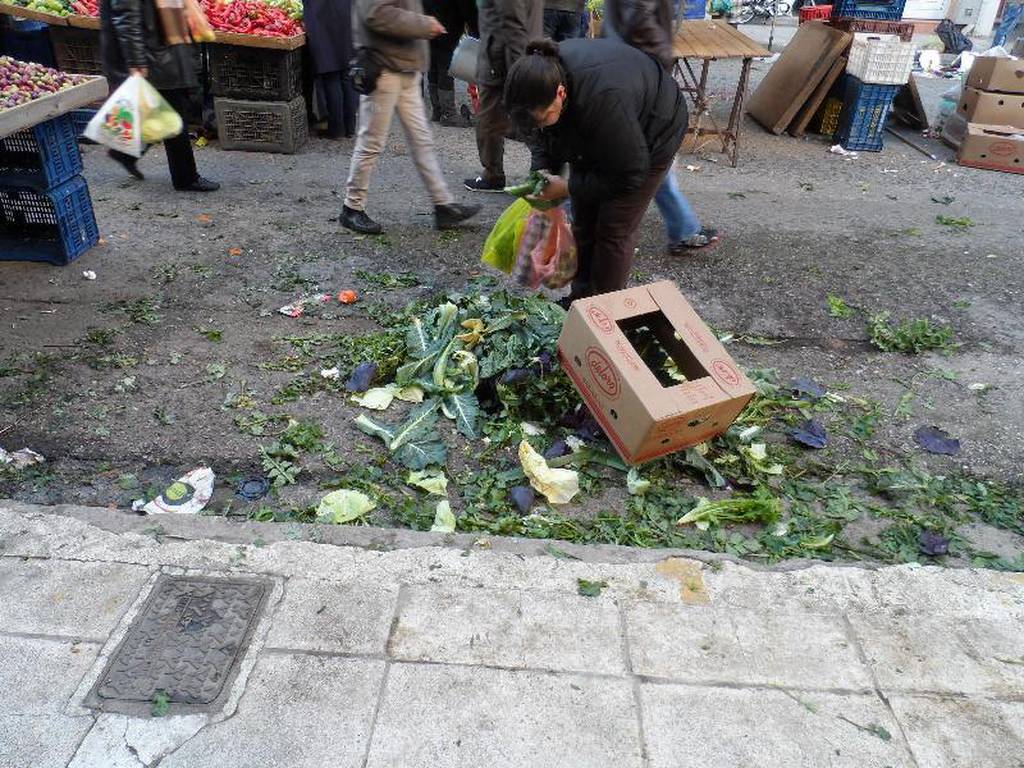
811 434
935 440
558 448
523 497
515 376
362 377
805 386
253 488
933 543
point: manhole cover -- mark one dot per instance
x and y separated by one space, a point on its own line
186 642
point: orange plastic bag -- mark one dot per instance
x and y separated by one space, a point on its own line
547 250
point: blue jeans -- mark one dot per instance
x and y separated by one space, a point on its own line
1011 17
681 221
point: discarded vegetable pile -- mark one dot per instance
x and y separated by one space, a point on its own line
22 82
479 414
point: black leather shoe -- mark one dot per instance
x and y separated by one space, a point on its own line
127 162
447 216
200 185
359 222
480 184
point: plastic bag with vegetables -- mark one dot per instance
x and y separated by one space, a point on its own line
134 115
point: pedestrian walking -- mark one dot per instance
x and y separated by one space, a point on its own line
506 26
647 25
562 19
132 43
329 35
458 17
614 115
393 34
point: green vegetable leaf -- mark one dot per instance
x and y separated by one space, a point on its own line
343 506
464 410
421 421
444 520
590 588
421 454
384 431
430 480
417 340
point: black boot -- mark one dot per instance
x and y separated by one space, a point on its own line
447 216
200 185
127 162
359 222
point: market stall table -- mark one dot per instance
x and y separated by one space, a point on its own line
709 41
53 105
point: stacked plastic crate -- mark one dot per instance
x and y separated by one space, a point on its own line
46 213
880 60
258 98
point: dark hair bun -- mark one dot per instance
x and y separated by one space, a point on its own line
543 47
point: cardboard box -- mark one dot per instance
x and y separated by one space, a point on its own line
991 73
987 108
1018 48
644 412
995 147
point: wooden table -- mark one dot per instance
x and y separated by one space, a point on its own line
709 41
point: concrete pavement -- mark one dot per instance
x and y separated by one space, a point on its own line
450 651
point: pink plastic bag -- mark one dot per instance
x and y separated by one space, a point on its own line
547 250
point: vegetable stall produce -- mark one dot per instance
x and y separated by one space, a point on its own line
54 7
86 7
22 82
251 17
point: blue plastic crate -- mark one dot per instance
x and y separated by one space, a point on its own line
884 10
866 109
27 40
56 226
694 9
41 157
81 118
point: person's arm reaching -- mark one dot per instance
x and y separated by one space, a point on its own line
385 17
126 18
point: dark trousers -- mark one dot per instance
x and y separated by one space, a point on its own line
561 25
180 159
492 126
441 50
342 103
606 233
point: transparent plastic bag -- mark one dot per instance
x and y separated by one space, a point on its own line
502 244
134 115
547 250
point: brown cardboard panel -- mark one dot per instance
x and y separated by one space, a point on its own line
643 416
792 79
994 147
985 108
810 108
991 73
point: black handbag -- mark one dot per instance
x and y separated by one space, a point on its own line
364 71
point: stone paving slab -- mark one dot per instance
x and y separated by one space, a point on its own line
38 676
56 597
509 628
962 733
468 717
702 644
331 617
736 728
298 711
955 654
40 741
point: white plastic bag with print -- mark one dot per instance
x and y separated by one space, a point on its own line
135 115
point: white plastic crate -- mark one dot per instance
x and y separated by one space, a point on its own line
880 59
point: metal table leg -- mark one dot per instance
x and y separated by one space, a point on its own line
731 144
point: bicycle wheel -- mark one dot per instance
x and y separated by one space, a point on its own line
746 14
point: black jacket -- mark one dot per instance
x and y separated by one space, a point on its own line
329 33
131 36
625 115
459 17
644 24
